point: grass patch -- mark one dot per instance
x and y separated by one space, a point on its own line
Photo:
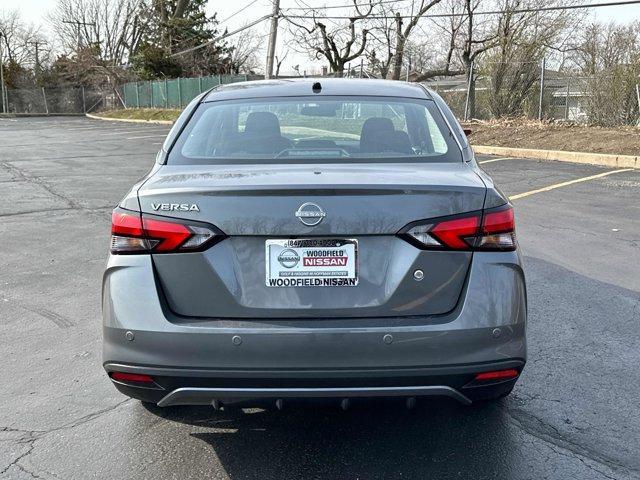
143 114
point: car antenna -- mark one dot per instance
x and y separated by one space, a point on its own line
317 88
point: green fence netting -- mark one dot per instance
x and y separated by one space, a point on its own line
174 93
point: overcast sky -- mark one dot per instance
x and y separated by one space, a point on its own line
35 11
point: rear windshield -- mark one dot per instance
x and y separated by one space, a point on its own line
316 130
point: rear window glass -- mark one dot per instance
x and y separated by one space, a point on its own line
313 129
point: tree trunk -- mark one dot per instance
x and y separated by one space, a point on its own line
399 55
471 86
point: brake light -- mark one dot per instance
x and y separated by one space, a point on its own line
492 229
132 232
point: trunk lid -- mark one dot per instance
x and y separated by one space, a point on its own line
366 202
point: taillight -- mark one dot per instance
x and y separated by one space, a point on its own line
132 232
492 229
498 230
456 233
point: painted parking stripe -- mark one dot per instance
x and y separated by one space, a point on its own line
570 182
147 136
496 160
127 132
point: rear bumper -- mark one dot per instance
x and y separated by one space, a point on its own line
403 356
196 387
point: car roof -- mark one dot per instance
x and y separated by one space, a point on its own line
295 87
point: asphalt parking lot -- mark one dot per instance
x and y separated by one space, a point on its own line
574 414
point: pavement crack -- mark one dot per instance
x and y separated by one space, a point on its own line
89 417
21 456
28 472
550 435
21 174
31 436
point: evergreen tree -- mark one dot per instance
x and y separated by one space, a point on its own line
174 26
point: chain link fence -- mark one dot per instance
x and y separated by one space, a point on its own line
608 99
56 101
174 93
605 99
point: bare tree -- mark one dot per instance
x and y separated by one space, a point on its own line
245 50
279 61
403 29
114 26
608 55
17 37
445 62
339 44
524 39
380 48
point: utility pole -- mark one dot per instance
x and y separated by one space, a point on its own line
78 25
37 44
273 33
4 100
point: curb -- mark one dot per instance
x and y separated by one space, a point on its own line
617 161
30 115
129 120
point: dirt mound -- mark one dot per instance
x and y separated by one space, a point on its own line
520 133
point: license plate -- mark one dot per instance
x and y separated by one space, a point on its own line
312 262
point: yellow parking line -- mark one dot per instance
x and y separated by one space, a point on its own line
496 160
570 182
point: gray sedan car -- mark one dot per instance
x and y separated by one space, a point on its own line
315 238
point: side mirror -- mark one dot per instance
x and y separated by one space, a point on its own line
467 131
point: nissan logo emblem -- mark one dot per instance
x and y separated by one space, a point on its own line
310 214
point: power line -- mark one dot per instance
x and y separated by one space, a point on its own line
492 12
342 6
223 36
239 11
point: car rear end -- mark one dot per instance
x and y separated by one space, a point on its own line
292 253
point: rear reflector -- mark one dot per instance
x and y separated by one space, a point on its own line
497 375
133 232
131 377
492 229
